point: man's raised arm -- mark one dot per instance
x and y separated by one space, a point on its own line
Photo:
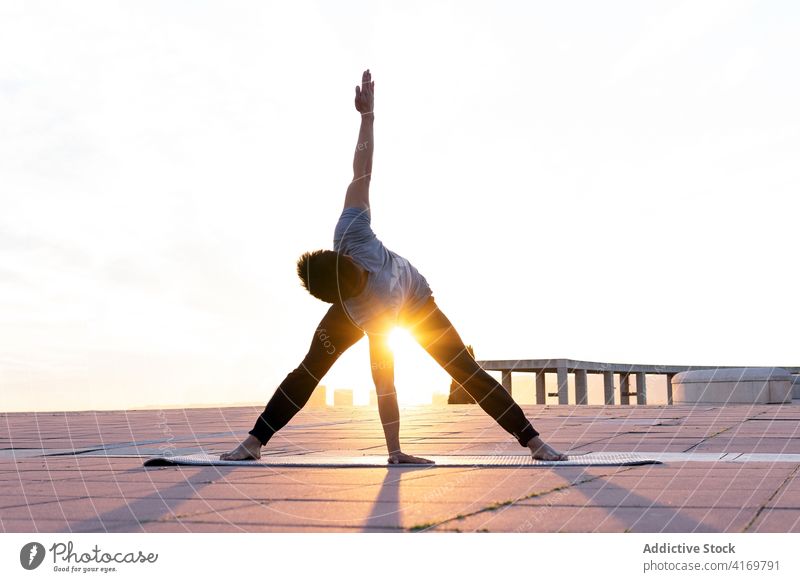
358 191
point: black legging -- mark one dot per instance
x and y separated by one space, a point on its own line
434 332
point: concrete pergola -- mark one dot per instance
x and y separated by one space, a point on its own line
563 367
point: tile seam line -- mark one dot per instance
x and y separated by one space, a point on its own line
761 509
508 503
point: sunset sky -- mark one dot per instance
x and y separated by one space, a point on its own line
608 181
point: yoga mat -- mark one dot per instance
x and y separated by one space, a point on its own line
587 459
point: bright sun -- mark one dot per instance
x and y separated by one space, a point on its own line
400 340
416 375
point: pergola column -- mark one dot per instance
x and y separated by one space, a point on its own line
669 388
563 385
608 388
541 389
581 387
624 388
641 388
506 381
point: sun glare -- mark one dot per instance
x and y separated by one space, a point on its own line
417 376
400 340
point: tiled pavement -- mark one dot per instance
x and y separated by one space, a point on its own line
62 472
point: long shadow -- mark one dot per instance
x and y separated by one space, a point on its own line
386 509
627 499
638 502
152 507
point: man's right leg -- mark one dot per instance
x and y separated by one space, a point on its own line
436 334
334 334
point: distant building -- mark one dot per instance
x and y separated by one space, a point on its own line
318 398
343 398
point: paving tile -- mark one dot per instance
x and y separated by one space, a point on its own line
529 519
108 510
613 496
470 498
722 469
777 521
342 513
28 525
258 492
786 498
691 483
19 500
685 519
214 527
522 519
61 489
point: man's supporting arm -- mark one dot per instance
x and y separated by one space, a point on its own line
382 362
380 355
358 191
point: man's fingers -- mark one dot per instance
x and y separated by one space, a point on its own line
358 98
366 81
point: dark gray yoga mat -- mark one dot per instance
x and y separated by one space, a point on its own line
588 459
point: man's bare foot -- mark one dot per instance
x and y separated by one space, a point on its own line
541 451
249 448
404 459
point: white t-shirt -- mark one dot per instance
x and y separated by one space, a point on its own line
393 284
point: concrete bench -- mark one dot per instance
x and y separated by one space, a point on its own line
796 386
733 386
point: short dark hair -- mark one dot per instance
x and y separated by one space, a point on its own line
328 275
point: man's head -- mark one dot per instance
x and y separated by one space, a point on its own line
330 276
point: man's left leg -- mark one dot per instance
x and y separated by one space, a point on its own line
335 333
434 332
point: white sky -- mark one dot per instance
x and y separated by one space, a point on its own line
610 181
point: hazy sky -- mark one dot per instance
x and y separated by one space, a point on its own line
611 181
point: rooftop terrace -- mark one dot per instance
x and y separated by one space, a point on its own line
736 471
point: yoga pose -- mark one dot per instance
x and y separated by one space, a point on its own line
372 290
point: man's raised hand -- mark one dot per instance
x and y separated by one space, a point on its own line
365 94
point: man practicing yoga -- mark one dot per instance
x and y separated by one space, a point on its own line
372 290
